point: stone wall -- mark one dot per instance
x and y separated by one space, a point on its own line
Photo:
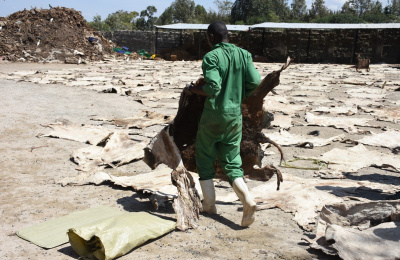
313 46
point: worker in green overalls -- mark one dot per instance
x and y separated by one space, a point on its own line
229 77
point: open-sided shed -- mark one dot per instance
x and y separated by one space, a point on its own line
303 27
323 26
198 27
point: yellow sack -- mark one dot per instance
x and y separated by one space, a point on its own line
115 236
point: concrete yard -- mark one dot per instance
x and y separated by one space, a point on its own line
308 98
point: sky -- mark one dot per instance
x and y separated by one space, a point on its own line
105 7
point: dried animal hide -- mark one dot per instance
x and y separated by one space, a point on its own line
282 121
346 123
285 138
357 157
158 104
119 150
367 93
304 198
157 182
359 230
181 133
143 120
158 95
340 110
88 158
281 104
188 204
86 134
362 64
389 139
385 113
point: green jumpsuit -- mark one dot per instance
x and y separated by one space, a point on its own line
230 77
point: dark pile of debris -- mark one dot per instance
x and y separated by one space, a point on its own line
56 34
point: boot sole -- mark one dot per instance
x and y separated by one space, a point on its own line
248 216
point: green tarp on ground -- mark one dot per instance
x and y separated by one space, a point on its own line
53 233
113 237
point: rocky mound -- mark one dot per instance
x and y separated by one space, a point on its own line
50 34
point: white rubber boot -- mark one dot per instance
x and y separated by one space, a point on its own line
249 206
207 187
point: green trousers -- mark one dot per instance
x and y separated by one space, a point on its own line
219 135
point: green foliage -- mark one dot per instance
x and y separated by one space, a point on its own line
213 16
183 11
362 7
224 7
270 17
340 18
395 8
166 17
97 24
376 18
240 10
251 11
281 9
121 20
318 9
200 14
147 20
298 10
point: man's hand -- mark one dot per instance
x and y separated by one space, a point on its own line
195 88
200 82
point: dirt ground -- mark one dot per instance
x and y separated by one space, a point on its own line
32 167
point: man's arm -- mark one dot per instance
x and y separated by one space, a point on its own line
253 77
212 78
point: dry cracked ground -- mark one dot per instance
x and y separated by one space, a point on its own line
352 115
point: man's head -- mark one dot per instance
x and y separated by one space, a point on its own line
217 32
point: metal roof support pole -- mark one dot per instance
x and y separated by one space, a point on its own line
156 42
308 44
379 46
299 49
354 46
181 39
248 39
199 44
263 41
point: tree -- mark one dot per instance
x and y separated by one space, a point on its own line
281 9
121 20
200 14
395 8
166 17
183 11
146 20
224 7
375 14
97 24
318 9
357 7
257 11
340 18
299 9
240 10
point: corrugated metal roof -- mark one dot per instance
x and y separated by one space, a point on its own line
192 26
314 26
321 26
